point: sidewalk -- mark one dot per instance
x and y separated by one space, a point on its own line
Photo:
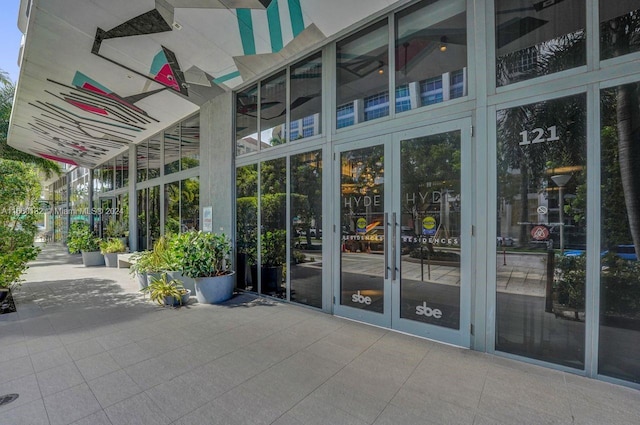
85 348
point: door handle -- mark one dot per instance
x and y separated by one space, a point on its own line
393 247
385 246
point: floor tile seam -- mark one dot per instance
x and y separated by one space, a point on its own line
327 380
525 384
92 393
16 407
403 384
566 384
84 358
259 374
58 365
537 410
330 404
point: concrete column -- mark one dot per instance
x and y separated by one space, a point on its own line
217 162
133 199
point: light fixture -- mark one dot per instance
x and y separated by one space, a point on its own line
443 43
380 67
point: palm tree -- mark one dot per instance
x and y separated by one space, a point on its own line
620 36
7 90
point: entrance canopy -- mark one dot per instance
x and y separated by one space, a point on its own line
97 76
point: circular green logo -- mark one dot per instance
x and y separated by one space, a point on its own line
429 223
361 223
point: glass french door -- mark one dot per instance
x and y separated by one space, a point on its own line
405 233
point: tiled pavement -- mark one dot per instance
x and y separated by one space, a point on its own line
85 348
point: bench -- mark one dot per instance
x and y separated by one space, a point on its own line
124 260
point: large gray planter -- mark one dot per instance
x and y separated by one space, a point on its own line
213 290
184 300
111 259
153 275
92 258
188 282
141 278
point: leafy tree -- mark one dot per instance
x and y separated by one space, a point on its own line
621 36
7 89
19 192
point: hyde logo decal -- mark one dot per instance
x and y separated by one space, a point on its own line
361 299
423 310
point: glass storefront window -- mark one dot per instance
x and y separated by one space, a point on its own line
172 150
541 231
362 80
246 225
273 111
619 28
431 227
122 170
148 202
431 54
142 158
190 142
247 121
172 208
619 338
273 227
306 98
362 228
155 145
142 206
190 204
106 182
306 229
534 39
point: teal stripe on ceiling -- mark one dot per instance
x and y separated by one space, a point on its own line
226 77
295 12
275 28
245 24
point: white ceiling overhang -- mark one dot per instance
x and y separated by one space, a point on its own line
97 76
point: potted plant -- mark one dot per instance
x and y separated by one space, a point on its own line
273 255
176 245
140 267
117 229
206 259
81 239
110 248
166 291
159 260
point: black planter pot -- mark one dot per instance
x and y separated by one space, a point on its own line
241 271
271 278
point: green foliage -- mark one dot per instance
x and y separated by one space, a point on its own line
160 259
299 256
116 228
274 248
13 263
81 238
246 228
19 191
569 280
139 262
112 246
205 254
7 90
160 288
620 283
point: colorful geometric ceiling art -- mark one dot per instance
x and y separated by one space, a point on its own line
97 76
164 72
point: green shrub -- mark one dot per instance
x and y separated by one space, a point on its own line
112 246
161 287
205 254
81 238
